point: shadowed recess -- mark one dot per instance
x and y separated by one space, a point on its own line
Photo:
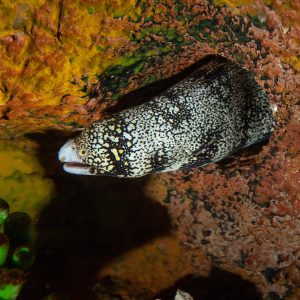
220 285
90 221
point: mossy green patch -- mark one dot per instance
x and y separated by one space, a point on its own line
150 80
4 246
91 10
100 48
73 124
179 6
116 77
9 291
169 34
239 57
235 32
200 31
256 21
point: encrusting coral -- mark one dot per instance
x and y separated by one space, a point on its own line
14 259
63 63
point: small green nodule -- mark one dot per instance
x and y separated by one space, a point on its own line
11 281
4 247
23 257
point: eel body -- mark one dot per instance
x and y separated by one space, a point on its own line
202 119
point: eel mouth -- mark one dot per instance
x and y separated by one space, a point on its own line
78 168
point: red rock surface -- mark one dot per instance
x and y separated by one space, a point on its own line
243 216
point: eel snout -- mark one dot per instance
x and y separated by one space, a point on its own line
72 162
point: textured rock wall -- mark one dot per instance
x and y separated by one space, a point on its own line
22 181
63 63
243 214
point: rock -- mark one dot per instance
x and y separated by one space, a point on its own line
63 65
181 295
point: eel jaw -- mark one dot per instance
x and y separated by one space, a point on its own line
72 162
78 168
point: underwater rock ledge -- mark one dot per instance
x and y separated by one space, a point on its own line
64 64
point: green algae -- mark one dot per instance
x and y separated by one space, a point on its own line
15 252
9 291
4 247
91 10
239 57
100 48
257 22
23 257
179 6
150 80
168 34
200 28
11 282
116 77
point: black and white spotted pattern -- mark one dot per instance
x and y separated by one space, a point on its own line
214 112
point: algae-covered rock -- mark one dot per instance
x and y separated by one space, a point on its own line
22 181
63 63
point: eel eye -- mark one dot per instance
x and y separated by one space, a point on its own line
83 152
